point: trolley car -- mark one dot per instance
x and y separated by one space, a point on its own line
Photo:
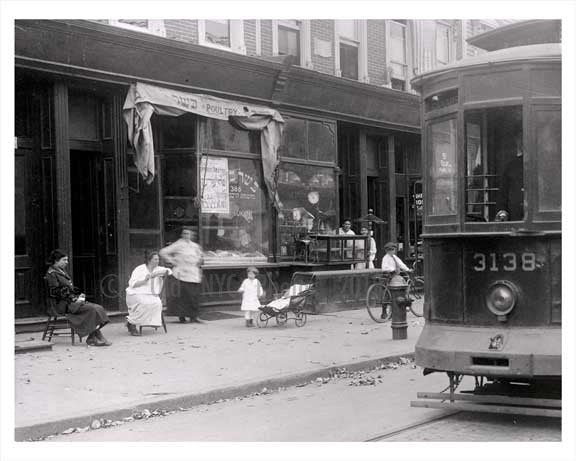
492 222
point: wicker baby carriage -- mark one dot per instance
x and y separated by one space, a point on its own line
291 306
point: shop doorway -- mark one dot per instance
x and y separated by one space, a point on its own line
94 261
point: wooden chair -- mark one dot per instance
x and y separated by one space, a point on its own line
152 326
56 324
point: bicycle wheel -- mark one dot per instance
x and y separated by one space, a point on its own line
416 292
379 303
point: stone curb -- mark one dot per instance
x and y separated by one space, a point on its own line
37 431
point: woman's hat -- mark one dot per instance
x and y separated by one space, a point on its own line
390 246
252 269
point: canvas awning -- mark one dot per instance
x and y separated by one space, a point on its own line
143 100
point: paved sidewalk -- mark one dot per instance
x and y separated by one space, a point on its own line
192 364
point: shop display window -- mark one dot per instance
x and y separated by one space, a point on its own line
321 141
235 219
308 140
308 195
177 132
293 143
223 136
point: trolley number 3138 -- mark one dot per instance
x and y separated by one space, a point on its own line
508 262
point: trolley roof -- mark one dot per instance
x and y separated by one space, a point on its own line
540 52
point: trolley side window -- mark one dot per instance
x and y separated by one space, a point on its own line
494 164
548 145
443 168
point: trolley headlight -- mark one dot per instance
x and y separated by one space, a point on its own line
501 298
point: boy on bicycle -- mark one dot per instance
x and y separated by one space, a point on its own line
391 263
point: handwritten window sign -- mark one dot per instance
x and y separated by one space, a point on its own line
215 189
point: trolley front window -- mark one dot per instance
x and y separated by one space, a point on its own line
443 168
494 164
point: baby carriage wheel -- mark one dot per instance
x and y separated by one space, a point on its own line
281 318
300 319
262 320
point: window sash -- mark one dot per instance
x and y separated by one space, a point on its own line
213 26
347 30
349 61
443 44
397 43
289 41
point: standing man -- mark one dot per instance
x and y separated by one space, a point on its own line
185 255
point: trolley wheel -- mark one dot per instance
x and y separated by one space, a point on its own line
379 303
262 320
300 319
281 318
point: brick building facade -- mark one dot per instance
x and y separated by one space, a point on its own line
351 143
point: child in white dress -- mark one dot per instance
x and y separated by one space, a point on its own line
251 290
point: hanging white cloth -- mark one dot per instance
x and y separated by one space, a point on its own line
143 100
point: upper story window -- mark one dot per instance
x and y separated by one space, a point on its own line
225 34
289 38
398 53
292 37
152 26
351 59
218 32
443 43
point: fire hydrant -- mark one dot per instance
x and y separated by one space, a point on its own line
400 301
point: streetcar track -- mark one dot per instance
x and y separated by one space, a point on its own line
408 427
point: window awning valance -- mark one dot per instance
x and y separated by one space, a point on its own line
143 100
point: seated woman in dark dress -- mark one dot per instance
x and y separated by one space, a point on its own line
85 318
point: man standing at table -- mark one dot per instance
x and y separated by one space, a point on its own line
185 255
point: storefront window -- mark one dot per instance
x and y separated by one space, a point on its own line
179 188
178 132
309 197
321 141
235 219
443 168
293 139
308 140
223 136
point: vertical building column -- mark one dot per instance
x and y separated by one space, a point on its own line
362 152
392 188
120 134
62 149
258 33
305 44
363 50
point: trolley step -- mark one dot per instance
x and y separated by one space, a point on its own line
490 404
